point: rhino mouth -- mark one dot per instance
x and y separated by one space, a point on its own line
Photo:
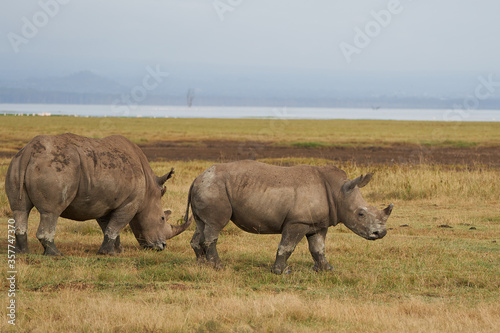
376 235
158 246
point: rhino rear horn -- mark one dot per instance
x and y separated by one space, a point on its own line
360 182
161 180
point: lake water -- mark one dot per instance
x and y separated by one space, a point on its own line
249 112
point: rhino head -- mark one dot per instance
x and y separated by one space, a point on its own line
150 226
365 221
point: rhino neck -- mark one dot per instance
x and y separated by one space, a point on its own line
333 179
332 206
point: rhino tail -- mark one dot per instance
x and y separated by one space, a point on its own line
188 204
177 229
23 165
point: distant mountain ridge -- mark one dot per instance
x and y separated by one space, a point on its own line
254 89
83 82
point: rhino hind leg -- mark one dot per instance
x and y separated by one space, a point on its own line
22 243
210 247
317 248
197 242
291 236
46 232
21 231
209 223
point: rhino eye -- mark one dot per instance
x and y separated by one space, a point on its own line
361 213
163 218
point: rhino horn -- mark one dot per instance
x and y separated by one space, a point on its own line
161 180
174 230
360 182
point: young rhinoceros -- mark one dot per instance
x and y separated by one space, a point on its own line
293 201
80 178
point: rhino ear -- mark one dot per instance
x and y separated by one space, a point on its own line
388 210
365 180
161 180
360 182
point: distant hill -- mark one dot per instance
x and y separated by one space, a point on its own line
255 89
84 82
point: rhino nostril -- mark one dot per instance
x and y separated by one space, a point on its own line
378 234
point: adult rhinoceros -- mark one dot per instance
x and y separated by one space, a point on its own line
294 201
81 178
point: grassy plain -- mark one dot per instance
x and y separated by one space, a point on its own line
16 131
437 270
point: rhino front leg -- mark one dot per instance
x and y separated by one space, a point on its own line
291 236
103 223
46 233
317 248
118 220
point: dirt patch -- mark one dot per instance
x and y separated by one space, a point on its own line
224 151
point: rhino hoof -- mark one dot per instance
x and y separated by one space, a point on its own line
22 244
106 253
21 251
216 265
50 248
324 267
52 252
201 261
279 271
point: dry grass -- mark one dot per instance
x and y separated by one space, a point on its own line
164 310
17 131
422 277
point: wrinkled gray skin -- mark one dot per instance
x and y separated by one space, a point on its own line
80 178
293 201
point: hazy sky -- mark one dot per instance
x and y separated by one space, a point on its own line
115 35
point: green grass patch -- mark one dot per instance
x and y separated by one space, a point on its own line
308 144
451 143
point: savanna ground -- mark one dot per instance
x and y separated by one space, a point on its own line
437 270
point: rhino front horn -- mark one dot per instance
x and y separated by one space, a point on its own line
174 230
